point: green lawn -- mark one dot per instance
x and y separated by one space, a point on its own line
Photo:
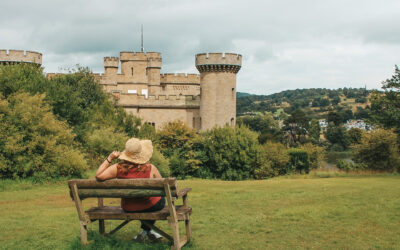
357 212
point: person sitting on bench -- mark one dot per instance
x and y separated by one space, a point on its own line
135 164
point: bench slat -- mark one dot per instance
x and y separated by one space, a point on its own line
121 193
124 183
117 213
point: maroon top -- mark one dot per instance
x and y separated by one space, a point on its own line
137 204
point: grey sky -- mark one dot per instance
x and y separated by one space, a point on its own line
285 44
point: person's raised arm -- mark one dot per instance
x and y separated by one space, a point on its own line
105 171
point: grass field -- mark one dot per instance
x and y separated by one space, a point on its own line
340 212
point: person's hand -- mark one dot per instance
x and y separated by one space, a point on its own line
114 155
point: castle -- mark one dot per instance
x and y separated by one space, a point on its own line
201 101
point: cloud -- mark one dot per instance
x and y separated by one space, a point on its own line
285 44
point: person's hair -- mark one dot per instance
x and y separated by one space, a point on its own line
125 166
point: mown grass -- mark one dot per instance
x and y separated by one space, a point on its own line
291 212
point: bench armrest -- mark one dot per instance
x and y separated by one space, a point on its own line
183 192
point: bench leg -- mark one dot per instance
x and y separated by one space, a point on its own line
175 231
188 229
101 227
84 234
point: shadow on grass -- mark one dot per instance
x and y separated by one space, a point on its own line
98 241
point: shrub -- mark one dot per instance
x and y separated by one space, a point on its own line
378 150
315 154
101 142
299 160
277 158
162 164
229 153
349 165
33 143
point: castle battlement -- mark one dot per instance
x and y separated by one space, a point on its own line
180 78
111 62
18 56
138 56
136 100
218 62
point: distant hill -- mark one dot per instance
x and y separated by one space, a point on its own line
242 94
317 102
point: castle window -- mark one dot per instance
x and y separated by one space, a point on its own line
232 121
233 93
194 122
132 71
200 122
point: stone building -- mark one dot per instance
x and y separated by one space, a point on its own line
202 100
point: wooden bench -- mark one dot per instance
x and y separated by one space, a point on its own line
132 188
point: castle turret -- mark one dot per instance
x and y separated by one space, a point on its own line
20 56
111 65
218 88
111 69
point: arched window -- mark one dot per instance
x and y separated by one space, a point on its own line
132 71
232 121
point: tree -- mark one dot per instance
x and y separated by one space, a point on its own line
335 117
296 126
354 135
33 143
378 150
314 131
336 135
385 107
264 124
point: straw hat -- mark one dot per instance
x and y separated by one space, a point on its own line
137 151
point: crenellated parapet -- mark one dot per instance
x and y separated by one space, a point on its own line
160 101
111 62
20 56
138 56
218 62
180 78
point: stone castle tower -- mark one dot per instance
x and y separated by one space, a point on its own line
218 88
134 79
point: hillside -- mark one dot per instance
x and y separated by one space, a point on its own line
315 102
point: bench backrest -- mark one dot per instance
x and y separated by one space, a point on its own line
123 188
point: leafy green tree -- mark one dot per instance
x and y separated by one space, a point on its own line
314 131
335 117
378 150
264 124
354 135
33 143
385 108
296 126
336 135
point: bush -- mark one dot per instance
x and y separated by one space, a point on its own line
299 160
315 154
349 165
101 142
378 150
162 164
229 153
33 143
277 159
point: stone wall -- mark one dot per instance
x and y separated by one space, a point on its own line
17 56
